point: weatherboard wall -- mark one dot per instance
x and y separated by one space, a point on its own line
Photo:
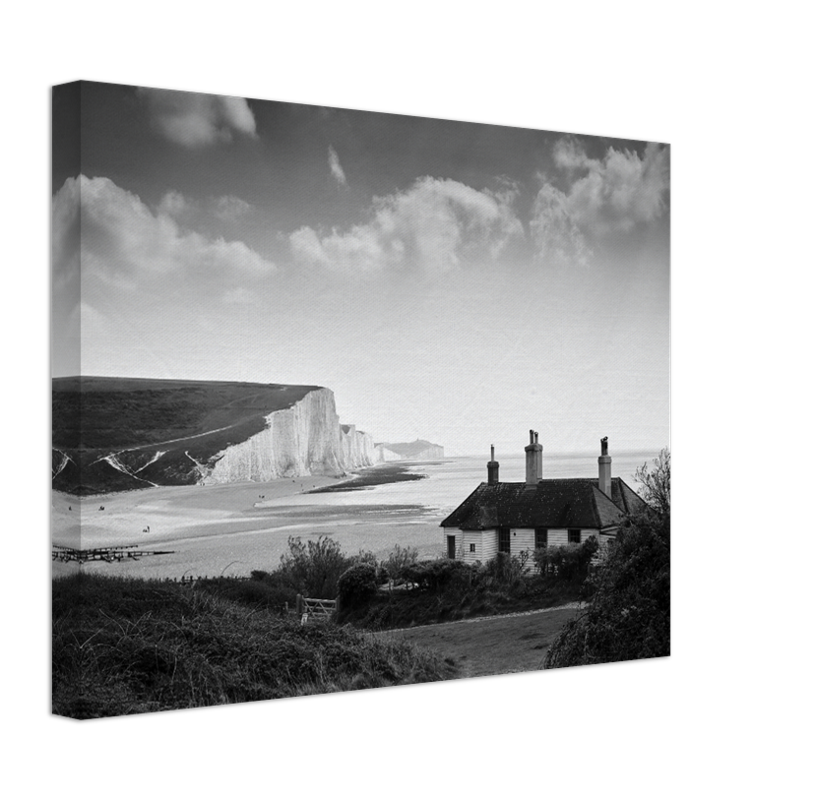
520 540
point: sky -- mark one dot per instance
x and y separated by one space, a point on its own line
450 281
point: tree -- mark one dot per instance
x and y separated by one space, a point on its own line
656 482
629 614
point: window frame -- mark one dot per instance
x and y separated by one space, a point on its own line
504 532
544 533
574 535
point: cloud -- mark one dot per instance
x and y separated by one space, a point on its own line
197 120
187 211
612 194
432 227
65 238
229 208
568 154
621 190
554 231
174 204
336 167
239 296
122 239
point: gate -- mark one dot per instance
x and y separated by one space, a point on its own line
315 607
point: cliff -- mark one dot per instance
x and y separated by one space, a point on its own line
113 434
306 439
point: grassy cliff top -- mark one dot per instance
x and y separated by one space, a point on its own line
104 412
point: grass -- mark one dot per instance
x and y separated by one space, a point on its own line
402 609
125 646
92 417
490 646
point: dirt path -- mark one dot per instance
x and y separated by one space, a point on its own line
515 642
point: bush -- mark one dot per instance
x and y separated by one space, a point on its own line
313 568
440 574
357 584
629 613
568 562
503 570
400 559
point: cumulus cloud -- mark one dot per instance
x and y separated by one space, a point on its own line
554 231
65 238
197 120
605 195
433 227
187 211
122 238
174 204
229 208
335 166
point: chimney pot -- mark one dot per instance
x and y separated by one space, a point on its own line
604 464
492 467
534 460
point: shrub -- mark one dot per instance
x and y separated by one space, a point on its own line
504 570
398 560
313 568
541 559
568 562
357 584
367 557
440 574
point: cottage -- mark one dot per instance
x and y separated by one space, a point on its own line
517 517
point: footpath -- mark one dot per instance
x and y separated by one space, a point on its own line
576 605
515 642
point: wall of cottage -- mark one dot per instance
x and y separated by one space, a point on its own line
486 545
520 540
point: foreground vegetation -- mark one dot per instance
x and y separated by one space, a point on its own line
628 615
125 646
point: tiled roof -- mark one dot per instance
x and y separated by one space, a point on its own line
551 503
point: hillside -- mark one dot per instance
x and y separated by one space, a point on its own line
113 434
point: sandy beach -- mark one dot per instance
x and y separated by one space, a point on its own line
232 529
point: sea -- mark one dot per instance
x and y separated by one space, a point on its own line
233 530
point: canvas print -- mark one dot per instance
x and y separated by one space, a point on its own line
348 400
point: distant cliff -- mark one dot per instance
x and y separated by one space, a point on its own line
420 450
112 434
306 439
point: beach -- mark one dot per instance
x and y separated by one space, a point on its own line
232 529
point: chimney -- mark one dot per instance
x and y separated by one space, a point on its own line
534 460
492 467
605 467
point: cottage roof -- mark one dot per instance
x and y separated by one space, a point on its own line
550 503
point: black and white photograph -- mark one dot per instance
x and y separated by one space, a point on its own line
346 400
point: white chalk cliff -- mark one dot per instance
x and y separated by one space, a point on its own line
306 439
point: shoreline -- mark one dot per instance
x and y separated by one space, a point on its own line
161 515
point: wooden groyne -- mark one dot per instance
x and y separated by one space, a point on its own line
108 554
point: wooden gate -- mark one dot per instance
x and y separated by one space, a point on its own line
315 607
